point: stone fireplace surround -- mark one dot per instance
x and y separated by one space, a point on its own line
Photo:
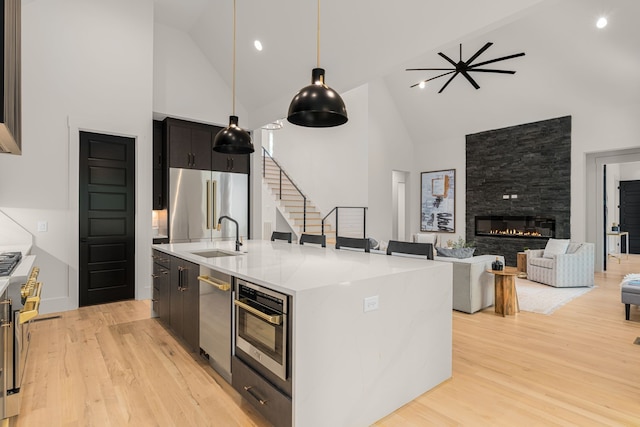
522 170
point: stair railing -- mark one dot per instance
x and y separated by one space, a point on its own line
265 153
337 211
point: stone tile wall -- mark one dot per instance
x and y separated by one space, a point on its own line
532 161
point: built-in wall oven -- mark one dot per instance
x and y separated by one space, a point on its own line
261 365
261 326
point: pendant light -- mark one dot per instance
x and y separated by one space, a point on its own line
317 105
233 139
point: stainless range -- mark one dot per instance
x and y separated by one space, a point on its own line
8 262
18 306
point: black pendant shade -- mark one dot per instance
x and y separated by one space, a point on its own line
317 105
233 139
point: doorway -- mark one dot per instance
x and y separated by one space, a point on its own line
106 215
630 214
596 227
400 181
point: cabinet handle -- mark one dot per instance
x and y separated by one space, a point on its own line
154 276
249 389
180 278
223 286
193 159
231 158
274 320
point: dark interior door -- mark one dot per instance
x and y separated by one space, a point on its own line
630 214
107 228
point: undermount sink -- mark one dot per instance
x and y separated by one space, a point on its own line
215 253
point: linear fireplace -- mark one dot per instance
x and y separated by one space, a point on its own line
515 226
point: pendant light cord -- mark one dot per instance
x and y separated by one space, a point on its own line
318 38
233 84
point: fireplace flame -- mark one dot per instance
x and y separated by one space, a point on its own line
514 232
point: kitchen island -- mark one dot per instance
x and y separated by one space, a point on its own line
349 367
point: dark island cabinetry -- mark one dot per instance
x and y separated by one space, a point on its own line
183 301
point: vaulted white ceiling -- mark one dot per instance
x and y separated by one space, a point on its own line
568 60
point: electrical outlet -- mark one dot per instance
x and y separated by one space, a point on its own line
514 196
505 197
43 226
371 303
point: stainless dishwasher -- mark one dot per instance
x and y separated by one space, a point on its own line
215 319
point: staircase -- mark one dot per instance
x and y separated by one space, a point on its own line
291 202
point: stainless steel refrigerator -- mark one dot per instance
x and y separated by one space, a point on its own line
198 198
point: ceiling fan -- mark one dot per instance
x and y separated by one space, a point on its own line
465 67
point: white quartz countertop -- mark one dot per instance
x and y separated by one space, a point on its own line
292 268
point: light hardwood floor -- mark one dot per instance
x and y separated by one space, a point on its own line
112 365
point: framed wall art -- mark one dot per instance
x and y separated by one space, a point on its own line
438 201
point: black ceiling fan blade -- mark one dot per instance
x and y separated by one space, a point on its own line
430 69
484 70
447 58
491 61
468 77
448 81
478 53
433 78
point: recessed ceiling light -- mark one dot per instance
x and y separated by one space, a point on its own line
421 85
258 45
602 22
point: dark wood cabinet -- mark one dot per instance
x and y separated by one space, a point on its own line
237 163
161 279
159 167
189 144
184 291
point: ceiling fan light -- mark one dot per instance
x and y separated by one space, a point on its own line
602 22
233 139
317 105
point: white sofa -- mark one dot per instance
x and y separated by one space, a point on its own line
473 286
574 268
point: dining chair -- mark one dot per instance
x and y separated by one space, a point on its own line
318 239
354 243
410 248
281 235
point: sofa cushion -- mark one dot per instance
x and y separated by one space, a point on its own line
556 247
542 262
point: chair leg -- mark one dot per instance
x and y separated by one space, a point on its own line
627 309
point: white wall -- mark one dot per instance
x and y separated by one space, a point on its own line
630 171
613 195
440 155
87 65
329 165
185 84
390 148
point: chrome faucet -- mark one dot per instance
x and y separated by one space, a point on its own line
238 242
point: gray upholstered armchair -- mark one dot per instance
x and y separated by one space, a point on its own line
571 269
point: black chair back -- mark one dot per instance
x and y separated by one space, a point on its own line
281 235
318 239
351 242
425 249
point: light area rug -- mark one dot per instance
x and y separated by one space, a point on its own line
543 299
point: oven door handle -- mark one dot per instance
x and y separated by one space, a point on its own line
274 320
223 286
